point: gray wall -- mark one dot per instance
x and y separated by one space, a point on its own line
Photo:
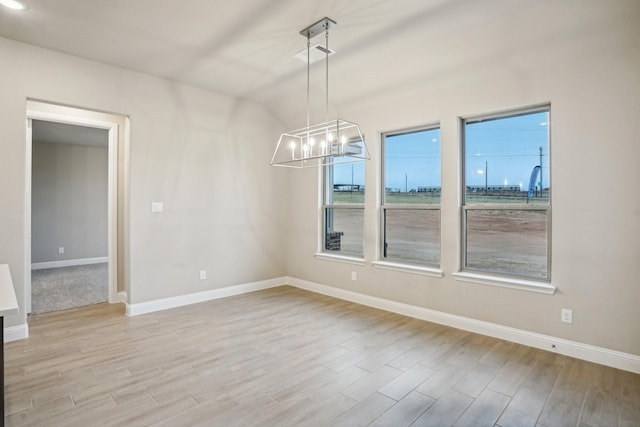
596 205
205 155
69 202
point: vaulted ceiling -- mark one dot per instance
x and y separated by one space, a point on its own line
245 48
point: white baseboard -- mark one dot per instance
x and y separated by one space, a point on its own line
603 356
180 300
15 333
68 263
122 297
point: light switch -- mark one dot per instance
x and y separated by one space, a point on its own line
157 207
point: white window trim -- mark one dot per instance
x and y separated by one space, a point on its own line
408 268
340 258
506 282
486 278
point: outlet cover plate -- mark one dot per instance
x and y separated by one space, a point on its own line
157 206
566 315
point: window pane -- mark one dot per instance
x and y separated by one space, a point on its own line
512 242
412 236
344 231
345 183
412 167
507 159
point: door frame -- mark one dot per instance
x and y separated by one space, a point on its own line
67 117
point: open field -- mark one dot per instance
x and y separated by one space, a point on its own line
503 242
502 197
413 236
509 242
351 223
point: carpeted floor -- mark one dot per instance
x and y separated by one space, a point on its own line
55 289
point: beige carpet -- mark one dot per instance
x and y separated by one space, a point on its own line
56 289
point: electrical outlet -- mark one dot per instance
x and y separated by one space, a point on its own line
157 207
60 250
354 275
203 274
566 315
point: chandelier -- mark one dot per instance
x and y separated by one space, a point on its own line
328 143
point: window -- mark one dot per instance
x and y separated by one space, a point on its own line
343 209
506 205
411 197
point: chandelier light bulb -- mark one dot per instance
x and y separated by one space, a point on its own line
292 144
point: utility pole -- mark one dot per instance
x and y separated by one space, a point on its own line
486 177
541 188
351 178
406 181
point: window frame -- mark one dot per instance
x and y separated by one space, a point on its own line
488 276
326 173
426 268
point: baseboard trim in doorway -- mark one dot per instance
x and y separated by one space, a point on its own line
15 333
122 297
68 263
181 300
591 353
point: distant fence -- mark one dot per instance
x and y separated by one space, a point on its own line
470 189
348 187
492 188
428 189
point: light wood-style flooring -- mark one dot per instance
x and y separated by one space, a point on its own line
287 357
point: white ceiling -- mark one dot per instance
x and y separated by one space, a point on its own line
245 48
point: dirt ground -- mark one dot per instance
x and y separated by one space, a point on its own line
509 242
413 236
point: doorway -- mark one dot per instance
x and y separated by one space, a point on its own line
77 227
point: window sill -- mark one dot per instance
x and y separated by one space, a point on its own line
520 284
425 271
340 258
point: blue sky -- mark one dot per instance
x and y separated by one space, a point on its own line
504 150
413 160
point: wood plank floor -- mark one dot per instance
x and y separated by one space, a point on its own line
285 356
